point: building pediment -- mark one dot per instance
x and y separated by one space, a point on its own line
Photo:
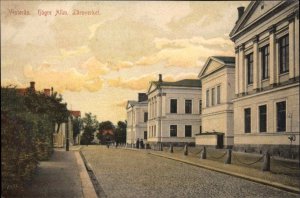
255 12
152 87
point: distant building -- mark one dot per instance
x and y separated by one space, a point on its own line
137 116
174 111
266 107
217 77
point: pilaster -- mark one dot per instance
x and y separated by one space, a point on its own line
292 47
273 65
255 62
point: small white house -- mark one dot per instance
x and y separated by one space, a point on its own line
174 111
137 116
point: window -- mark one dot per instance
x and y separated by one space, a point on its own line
281 116
212 96
200 106
263 118
188 106
265 54
200 129
145 117
188 130
218 94
249 69
173 106
145 135
207 98
173 131
284 54
247 113
154 128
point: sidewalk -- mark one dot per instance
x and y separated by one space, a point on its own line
64 175
279 177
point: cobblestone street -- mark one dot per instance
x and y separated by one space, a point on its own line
126 173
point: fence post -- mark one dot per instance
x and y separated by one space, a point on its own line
203 153
228 158
171 148
266 163
185 149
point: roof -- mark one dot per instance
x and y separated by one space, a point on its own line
225 59
75 113
181 83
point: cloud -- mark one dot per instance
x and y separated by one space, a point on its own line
121 103
69 79
143 82
186 52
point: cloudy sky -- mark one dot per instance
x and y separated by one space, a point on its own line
99 62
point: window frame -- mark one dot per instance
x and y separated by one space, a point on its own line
265 62
285 116
185 130
245 120
145 116
191 106
145 135
200 107
213 94
260 118
175 131
207 98
283 47
218 94
249 58
171 105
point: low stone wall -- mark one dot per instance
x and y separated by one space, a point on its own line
285 151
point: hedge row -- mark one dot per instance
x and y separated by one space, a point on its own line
26 137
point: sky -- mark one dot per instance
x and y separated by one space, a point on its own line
98 62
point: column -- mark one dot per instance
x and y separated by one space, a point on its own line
272 66
259 85
291 47
255 62
236 72
297 44
241 70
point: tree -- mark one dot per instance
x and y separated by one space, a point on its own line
106 132
90 126
120 133
77 126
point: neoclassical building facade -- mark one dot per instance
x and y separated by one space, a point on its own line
266 104
217 77
174 111
137 117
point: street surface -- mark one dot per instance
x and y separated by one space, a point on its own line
127 173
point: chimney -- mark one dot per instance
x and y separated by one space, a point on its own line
32 85
47 92
51 91
142 97
159 78
240 11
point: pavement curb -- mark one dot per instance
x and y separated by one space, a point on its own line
253 179
88 189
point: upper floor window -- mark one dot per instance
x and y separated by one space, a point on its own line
281 116
284 54
173 106
265 54
145 117
188 130
207 98
218 94
200 106
249 58
263 118
173 131
212 96
188 106
247 120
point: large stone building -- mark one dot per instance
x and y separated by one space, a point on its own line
266 107
217 77
137 116
174 111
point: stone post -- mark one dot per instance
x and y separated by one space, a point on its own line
171 148
228 156
203 153
266 163
185 151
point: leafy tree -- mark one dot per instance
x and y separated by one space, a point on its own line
106 132
77 126
120 133
90 126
